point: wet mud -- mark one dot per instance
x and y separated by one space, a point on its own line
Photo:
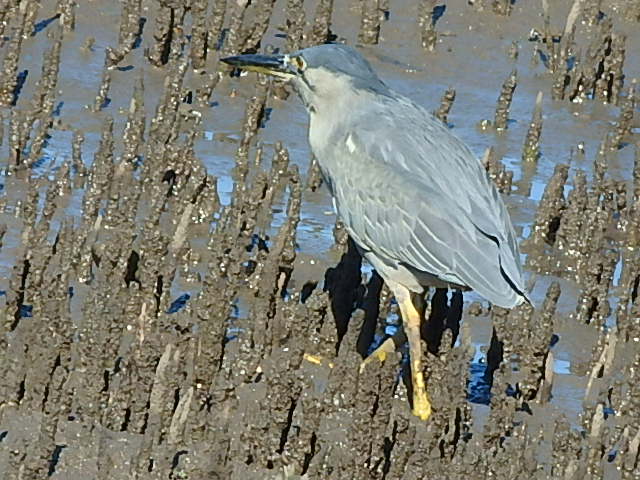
178 301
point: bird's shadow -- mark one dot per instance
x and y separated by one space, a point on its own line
445 314
344 285
347 293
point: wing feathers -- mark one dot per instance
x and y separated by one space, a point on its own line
427 205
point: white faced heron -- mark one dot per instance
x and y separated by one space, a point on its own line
413 197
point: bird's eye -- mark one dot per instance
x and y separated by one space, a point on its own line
299 63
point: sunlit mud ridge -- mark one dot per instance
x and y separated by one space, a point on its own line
166 310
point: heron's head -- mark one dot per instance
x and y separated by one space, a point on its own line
321 75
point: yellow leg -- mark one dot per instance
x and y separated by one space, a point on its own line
411 321
387 347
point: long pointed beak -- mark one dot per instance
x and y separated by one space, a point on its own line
277 65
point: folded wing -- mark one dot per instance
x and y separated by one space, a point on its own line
427 203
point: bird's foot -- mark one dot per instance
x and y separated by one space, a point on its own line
380 353
317 360
422 411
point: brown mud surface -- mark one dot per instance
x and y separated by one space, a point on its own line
178 302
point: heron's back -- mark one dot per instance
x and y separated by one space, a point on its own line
411 193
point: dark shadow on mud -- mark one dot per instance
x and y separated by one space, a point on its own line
343 283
